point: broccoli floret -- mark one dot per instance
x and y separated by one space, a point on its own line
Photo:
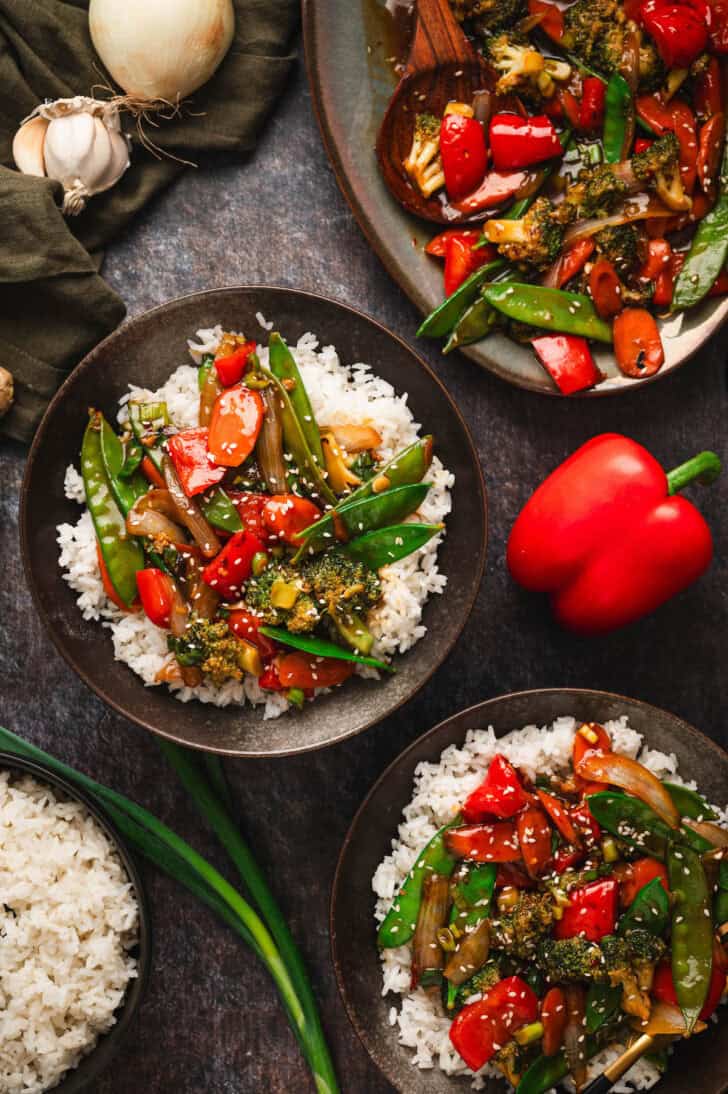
535 240
489 15
630 964
300 616
520 930
424 163
599 190
482 981
595 30
568 960
621 245
644 946
213 648
652 70
523 69
659 167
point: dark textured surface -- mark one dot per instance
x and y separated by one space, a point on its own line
211 1021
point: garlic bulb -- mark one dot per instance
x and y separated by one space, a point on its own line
161 49
76 141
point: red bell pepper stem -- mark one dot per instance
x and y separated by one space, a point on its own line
703 468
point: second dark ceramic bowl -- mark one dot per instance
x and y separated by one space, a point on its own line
699 1065
145 351
91 1066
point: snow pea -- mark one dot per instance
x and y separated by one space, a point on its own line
634 822
479 319
546 1071
689 803
442 320
219 511
720 907
650 910
619 119
365 515
398 926
473 895
708 251
122 553
692 931
283 365
154 451
406 467
385 546
126 490
550 309
205 365
320 647
296 443
602 1003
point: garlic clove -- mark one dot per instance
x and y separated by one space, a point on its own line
68 144
28 147
118 161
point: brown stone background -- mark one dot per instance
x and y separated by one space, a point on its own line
211 1021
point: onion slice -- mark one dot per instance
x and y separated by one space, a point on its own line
574 1038
188 512
629 775
471 954
712 832
150 522
269 445
641 208
427 953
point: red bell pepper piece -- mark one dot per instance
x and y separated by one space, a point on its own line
303 670
553 1018
718 26
591 913
481 1029
109 585
230 369
234 426
708 88
641 144
461 260
710 152
195 470
591 110
659 253
496 188
522 142
246 624
552 22
559 815
602 536
156 594
663 986
720 285
270 681
484 842
572 259
499 795
438 244
511 873
679 29
151 473
637 874
605 288
566 858
582 744
588 829
231 567
568 361
571 106
534 837
665 281
637 343
678 117
250 510
464 155
285 515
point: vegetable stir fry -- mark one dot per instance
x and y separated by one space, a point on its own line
550 919
597 156
257 536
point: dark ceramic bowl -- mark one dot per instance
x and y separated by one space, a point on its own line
350 49
91 1066
145 351
698 1065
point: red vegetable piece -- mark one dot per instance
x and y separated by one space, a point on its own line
481 1029
587 827
496 842
156 594
641 873
708 88
270 681
189 454
517 142
665 282
553 1019
511 873
659 253
151 473
558 813
232 566
641 144
678 29
234 426
461 260
246 624
591 913
250 510
230 369
605 288
568 361
464 155
710 152
571 107
679 118
285 515
572 259
496 188
303 670
499 795
438 244
582 745
720 285
718 26
552 22
637 343
534 837
663 986
566 858
591 110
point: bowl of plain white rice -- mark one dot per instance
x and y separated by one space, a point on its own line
351 366
405 1032
74 934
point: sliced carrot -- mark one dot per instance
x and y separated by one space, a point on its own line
637 343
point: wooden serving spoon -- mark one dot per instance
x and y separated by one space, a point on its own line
442 67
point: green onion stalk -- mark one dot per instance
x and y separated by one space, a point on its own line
266 933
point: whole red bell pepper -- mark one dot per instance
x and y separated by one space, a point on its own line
230 369
464 155
521 142
605 536
591 913
568 361
232 566
481 1029
679 29
192 462
499 795
591 108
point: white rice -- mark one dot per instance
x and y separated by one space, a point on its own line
439 791
339 394
68 918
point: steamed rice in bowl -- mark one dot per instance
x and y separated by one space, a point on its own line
340 394
69 922
418 1020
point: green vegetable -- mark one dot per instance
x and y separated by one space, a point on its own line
141 430
122 553
296 443
262 928
133 456
442 320
720 907
650 910
692 931
478 320
602 1003
550 309
283 365
618 119
353 518
387 545
126 489
408 466
319 647
689 803
219 511
398 926
205 365
635 823
547 1071
708 251
472 896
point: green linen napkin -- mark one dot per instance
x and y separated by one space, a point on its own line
54 305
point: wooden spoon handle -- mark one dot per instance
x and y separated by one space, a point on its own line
438 40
